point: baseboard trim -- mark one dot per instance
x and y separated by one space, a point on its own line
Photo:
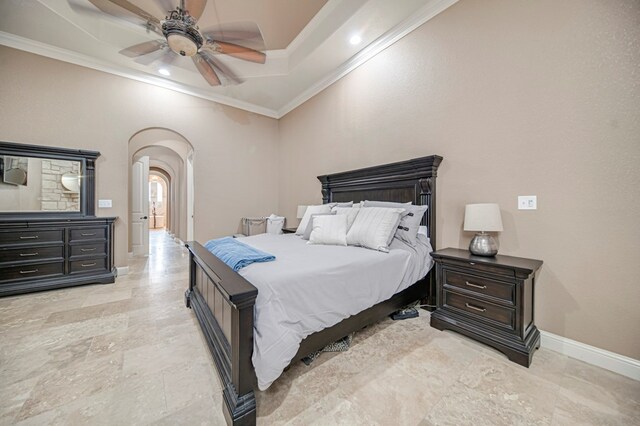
122 270
611 361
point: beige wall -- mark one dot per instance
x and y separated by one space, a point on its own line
520 98
48 102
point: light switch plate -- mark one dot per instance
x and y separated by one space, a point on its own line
527 202
105 204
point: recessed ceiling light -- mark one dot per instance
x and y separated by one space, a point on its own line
356 39
164 71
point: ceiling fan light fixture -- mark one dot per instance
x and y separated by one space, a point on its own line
182 44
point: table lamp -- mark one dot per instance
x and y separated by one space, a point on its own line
483 218
301 210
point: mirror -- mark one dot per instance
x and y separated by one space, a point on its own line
43 181
31 184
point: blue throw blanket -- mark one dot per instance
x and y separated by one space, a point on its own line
235 253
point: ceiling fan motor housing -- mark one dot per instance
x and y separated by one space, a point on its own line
183 39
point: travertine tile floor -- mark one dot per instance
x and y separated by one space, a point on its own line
131 353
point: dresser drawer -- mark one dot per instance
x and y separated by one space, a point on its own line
32 271
480 267
88 265
481 286
90 249
31 237
85 234
32 254
476 308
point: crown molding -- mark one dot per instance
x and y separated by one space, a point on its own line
387 39
396 33
42 49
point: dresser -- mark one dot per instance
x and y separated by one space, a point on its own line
41 254
490 299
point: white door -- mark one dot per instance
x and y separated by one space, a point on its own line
190 197
140 207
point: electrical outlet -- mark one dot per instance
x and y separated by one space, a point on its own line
105 204
527 202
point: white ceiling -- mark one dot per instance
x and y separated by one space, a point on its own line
318 55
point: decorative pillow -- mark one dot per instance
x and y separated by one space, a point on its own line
409 222
329 229
423 230
351 213
307 232
311 210
373 227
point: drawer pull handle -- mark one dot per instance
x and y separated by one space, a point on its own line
472 263
31 237
475 308
91 249
28 254
31 271
87 234
86 265
475 285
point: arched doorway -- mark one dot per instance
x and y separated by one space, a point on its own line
168 156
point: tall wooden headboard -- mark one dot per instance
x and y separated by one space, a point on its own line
412 180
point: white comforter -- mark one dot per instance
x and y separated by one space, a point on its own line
311 287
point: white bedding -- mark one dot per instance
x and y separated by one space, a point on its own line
311 287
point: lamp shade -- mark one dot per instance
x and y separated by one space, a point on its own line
301 210
482 217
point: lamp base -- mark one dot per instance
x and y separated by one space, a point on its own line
483 245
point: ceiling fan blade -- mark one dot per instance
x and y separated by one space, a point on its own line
237 51
124 10
206 70
166 5
142 48
195 8
246 34
222 69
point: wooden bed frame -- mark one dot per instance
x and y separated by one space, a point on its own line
223 301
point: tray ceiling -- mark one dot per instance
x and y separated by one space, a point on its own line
307 43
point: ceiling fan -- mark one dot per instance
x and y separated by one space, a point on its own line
181 36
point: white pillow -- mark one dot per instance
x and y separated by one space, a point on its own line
409 222
350 212
374 227
307 232
311 210
331 230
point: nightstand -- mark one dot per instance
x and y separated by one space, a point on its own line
289 230
489 299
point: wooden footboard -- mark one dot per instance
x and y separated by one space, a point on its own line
223 303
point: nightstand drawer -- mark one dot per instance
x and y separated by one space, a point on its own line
481 286
495 314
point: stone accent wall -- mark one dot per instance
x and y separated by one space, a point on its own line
54 195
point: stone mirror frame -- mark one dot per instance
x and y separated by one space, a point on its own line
46 181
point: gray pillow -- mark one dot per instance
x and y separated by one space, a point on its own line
307 232
409 223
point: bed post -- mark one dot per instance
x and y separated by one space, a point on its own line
223 303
